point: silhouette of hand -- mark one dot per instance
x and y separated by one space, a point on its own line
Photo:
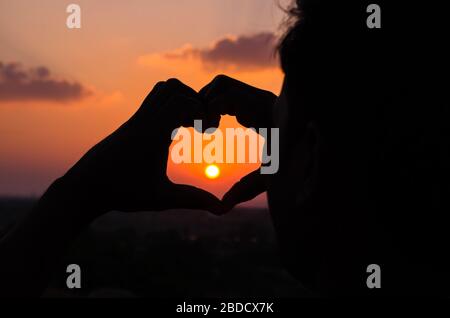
253 108
127 170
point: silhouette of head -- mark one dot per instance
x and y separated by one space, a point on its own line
364 155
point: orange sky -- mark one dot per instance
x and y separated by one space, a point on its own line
121 51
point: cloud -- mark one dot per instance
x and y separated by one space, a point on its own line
17 84
245 52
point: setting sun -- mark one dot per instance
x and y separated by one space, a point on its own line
212 171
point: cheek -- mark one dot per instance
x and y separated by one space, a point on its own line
281 111
285 191
287 184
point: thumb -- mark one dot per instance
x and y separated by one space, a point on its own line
246 189
188 197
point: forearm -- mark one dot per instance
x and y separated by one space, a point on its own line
30 251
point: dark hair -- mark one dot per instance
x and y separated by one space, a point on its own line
325 17
347 71
381 105
291 23
322 54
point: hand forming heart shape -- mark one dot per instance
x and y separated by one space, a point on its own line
127 170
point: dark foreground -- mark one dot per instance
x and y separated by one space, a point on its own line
171 254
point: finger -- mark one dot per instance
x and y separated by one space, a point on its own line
187 106
246 189
174 84
248 113
183 110
188 197
150 103
219 86
189 112
227 96
155 93
163 91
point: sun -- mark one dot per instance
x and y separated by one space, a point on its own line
212 171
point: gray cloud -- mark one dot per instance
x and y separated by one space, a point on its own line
244 52
17 84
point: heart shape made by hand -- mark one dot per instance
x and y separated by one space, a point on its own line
194 173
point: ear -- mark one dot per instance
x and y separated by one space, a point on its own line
307 156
